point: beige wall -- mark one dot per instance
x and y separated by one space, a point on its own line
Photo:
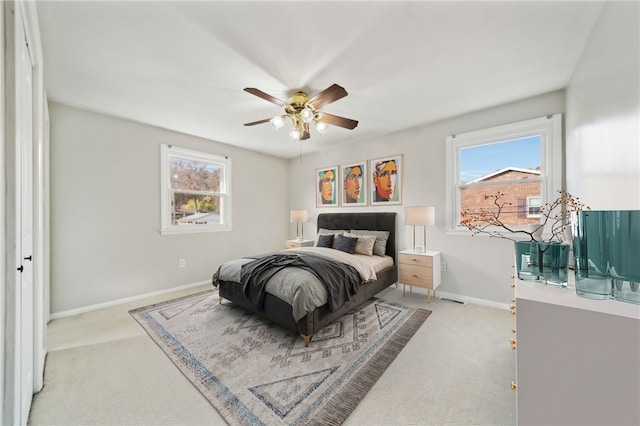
105 219
105 240
603 113
602 154
478 267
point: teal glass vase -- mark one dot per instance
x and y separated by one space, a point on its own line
606 246
553 262
544 261
590 255
624 254
527 260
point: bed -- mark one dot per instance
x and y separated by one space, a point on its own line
278 307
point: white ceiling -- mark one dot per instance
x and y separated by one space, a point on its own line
183 65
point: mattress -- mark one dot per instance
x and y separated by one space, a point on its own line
302 289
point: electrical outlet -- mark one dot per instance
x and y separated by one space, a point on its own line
443 267
182 263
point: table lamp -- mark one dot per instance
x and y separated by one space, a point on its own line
419 216
299 217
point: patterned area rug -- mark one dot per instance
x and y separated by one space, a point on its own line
255 372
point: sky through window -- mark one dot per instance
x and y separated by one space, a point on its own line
478 161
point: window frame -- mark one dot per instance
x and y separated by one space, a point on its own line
166 153
549 128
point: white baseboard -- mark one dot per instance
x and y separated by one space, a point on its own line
90 308
63 314
467 299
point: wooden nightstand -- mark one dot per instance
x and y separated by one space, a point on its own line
420 270
297 243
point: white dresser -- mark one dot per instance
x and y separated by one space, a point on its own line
577 359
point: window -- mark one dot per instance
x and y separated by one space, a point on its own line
533 207
521 160
195 193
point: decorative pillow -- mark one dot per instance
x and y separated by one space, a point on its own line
380 247
346 244
325 240
323 231
365 243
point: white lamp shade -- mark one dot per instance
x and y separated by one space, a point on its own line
306 115
322 128
294 135
276 122
299 216
419 216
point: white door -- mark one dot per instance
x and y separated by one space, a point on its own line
24 177
17 121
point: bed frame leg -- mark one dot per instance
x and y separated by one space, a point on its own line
307 339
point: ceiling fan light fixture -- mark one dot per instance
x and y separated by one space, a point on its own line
321 127
294 135
304 110
307 115
276 122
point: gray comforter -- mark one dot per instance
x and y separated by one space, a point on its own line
298 287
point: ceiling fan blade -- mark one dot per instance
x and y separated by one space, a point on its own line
306 135
253 123
335 120
328 95
265 96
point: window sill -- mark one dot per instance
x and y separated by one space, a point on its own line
191 230
465 232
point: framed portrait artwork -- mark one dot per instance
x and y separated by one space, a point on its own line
386 180
353 178
326 188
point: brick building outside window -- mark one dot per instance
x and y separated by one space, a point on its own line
524 197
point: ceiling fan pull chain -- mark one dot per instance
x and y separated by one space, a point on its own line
300 154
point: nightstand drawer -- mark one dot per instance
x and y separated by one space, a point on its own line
419 269
418 276
410 259
296 243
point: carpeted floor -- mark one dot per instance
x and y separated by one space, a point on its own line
258 373
103 369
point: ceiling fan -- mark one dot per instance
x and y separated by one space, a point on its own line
303 110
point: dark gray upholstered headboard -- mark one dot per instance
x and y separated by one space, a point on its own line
369 221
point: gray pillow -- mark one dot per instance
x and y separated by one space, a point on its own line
325 240
380 247
346 244
323 231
